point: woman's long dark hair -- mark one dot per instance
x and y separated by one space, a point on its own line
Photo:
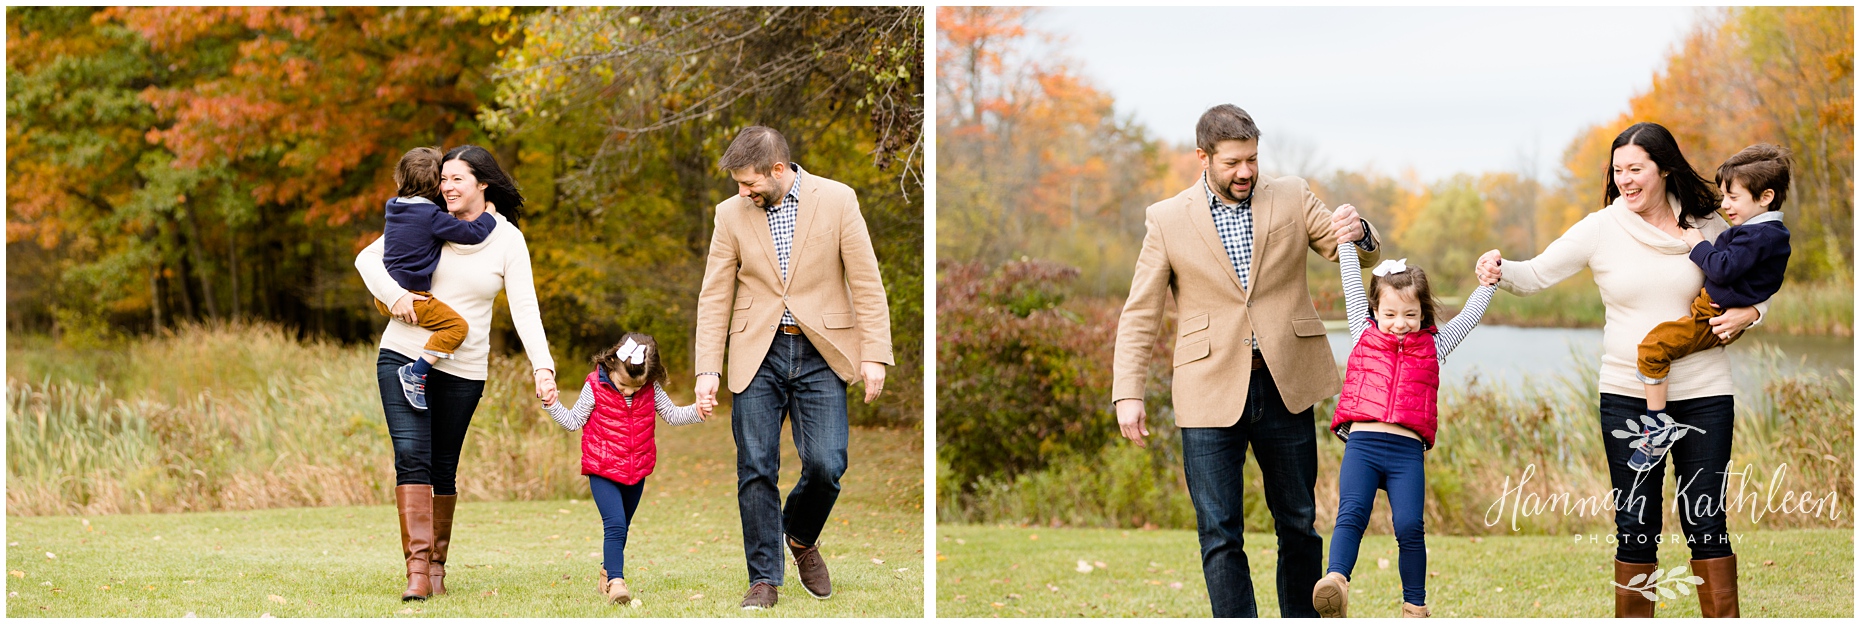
1697 198
499 188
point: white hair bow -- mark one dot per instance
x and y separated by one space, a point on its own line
1390 267
632 352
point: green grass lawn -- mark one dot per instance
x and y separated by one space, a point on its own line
684 556
985 571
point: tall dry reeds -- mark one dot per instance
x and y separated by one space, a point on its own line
229 417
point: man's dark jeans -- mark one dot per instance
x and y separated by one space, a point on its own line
794 381
1286 446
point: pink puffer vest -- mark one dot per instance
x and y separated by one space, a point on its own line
1392 379
617 441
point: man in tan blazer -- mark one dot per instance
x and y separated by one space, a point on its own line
793 285
1250 354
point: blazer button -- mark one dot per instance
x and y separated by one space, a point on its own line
771 327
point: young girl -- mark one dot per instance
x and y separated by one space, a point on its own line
1386 416
617 450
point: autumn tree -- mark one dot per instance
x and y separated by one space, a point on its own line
620 114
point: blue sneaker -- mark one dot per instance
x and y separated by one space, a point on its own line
414 386
1657 443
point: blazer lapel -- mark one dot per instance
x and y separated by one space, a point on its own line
803 218
757 220
1262 224
1202 218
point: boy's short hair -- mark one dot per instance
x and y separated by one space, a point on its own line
417 175
1761 167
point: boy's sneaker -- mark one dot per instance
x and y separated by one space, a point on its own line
414 386
1649 454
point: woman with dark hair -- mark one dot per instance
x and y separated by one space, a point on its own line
1643 269
468 277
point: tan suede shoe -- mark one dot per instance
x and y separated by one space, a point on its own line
1408 611
1331 596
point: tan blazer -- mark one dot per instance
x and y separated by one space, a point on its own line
1182 255
834 288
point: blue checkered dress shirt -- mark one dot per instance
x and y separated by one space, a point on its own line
1235 224
781 228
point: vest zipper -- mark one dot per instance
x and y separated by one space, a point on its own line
1401 344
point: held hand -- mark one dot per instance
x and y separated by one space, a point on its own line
403 308
707 395
1488 268
873 373
545 386
1732 323
1346 225
490 207
1130 421
1692 236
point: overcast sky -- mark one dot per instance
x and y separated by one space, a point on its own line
1443 90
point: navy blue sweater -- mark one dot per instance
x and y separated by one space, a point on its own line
415 231
1746 265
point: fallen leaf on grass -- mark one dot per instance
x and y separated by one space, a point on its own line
1175 585
104 587
1382 564
1083 567
1769 562
190 614
265 616
1052 587
49 555
1100 564
1477 540
562 510
17 573
698 596
1034 537
940 557
488 593
997 605
636 603
276 598
878 561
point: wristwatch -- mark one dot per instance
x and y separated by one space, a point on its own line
1365 243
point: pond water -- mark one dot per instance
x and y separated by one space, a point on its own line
1511 355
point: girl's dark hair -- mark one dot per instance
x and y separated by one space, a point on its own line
650 372
1413 280
499 188
1698 199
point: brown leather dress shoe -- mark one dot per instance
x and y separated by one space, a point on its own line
761 596
812 568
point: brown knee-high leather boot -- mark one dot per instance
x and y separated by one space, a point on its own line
1629 603
415 503
1718 594
442 539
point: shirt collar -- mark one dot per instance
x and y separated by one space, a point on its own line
1214 201
1773 215
415 200
794 190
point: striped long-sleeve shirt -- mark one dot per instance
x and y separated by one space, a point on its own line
574 418
1356 304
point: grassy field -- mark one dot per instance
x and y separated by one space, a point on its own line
534 558
985 571
234 471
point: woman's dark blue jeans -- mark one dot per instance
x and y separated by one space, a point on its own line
427 443
617 502
1699 460
1286 446
1373 460
794 381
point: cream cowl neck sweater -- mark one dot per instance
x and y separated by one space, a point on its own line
468 279
1646 277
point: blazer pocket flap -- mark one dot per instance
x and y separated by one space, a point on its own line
742 303
842 320
1307 327
1194 324
739 325
1191 352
